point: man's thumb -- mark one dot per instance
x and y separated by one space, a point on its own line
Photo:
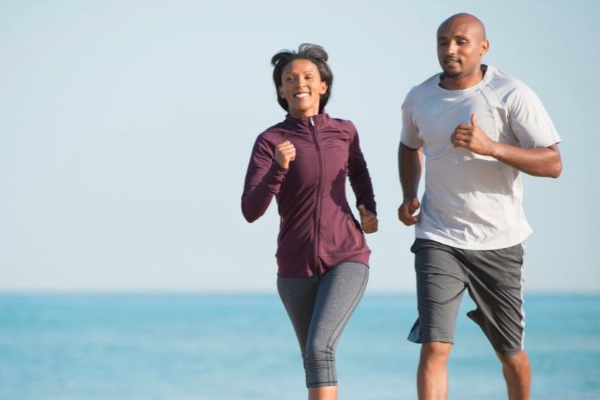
473 120
415 203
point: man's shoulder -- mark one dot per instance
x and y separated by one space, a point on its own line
423 89
503 82
430 82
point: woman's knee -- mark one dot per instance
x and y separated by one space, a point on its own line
319 365
315 353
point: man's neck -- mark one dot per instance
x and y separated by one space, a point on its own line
463 82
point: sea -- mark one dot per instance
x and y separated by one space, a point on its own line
242 347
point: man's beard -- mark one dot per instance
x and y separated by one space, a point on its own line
451 74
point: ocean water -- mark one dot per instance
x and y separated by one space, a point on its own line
242 347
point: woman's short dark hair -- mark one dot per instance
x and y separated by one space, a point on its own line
307 51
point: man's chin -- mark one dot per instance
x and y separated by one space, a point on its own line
451 73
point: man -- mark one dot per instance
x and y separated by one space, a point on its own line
476 127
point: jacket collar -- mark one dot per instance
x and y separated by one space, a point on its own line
304 122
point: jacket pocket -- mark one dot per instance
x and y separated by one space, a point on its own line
354 231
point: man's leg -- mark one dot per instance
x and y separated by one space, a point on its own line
495 278
440 286
432 376
517 374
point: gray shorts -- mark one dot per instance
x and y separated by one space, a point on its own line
493 279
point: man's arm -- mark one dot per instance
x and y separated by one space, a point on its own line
540 161
410 166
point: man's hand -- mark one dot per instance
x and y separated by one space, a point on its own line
407 210
368 220
473 138
537 161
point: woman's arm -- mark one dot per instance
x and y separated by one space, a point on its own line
263 180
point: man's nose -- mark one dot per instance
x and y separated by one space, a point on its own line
451 48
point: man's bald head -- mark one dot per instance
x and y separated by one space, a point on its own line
461 44
475 25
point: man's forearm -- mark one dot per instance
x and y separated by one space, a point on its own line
542 161
410 165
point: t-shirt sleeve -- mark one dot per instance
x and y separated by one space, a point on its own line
529 120
410 131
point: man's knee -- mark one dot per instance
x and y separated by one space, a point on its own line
435 352
515 361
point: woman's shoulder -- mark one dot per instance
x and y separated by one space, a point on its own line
272 132
344 124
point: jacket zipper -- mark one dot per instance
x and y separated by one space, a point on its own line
319 189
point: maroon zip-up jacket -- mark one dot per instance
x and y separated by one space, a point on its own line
317 229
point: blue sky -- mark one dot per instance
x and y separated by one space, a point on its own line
127 126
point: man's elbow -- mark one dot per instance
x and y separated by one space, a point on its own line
552 170
556 169
556 166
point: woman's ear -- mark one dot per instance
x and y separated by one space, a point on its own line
324 88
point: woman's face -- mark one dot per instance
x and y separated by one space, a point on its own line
302 88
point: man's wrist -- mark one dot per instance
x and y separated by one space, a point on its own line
495 150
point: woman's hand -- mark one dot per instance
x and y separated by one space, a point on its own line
285 153
368 220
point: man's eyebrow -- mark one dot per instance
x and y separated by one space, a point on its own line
461 37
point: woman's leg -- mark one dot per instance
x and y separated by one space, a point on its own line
298 296
339 292
319 308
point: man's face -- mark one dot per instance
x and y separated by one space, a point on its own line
460 45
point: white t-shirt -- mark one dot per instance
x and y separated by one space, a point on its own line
472 201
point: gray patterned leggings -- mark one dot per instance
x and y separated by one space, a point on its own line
319 308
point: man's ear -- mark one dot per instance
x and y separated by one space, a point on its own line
485 47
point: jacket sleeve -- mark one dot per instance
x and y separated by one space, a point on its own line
263 180
358 173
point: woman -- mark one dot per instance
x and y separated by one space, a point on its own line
322 255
